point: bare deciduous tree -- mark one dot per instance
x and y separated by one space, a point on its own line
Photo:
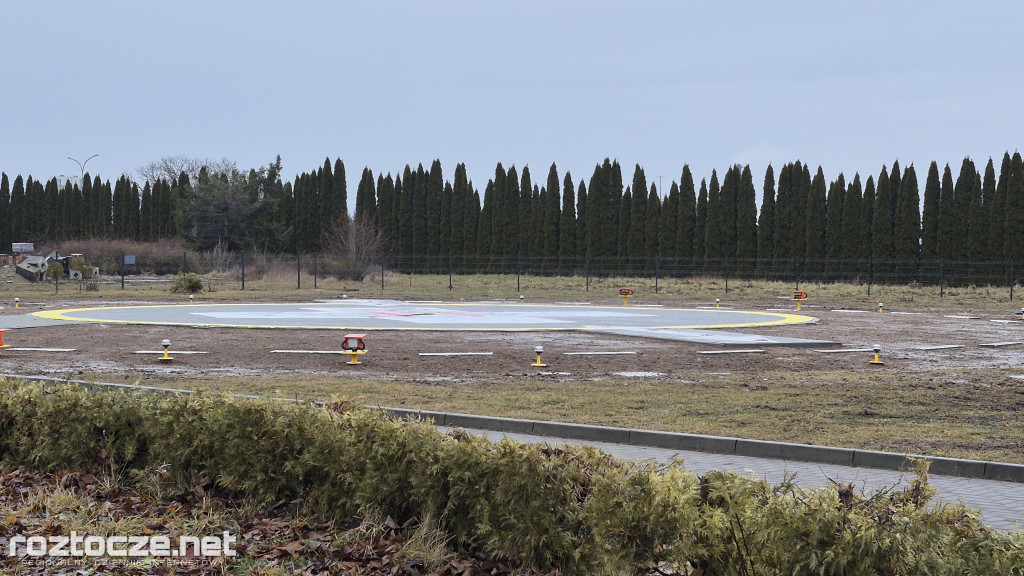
169 168
353 247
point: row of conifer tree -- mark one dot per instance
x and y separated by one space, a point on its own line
968 214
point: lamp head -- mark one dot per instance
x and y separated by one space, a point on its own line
166 343
877 348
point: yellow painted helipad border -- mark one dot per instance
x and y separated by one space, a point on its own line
782 318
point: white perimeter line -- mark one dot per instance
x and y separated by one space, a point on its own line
939 347
751 351
306 351
998 344
169 352
846 350
456 353
44 349
596 353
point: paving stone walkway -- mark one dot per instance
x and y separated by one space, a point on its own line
1001 503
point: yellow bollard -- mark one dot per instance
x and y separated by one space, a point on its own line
625 293
17 302
538 350
353 356
165 358
191 299
878 349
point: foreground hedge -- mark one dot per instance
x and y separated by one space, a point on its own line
574 509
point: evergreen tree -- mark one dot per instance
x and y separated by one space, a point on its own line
746 217
445 240
18 210
461 215
894 191
432 207
713 247
850 234
1014 223
907 228
977 231
930 215
551 199
766 221
669 227
947 217
485 228
567 224
963 197
800 207
339 192
729 201
581 220
328 204
366 199
867 218
687 219
511 215
385 207
652 228
638 221
622 237
472 217
816 217
998 214
405 188
700 223
525 226
5 213
988 217
881 226
835 202
419 213
146 214
784 241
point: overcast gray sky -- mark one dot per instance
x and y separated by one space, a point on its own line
849 86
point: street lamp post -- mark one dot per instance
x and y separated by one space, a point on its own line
82 164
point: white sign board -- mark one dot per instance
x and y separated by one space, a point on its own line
23 247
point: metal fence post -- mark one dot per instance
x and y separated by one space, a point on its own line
316 271
298 270
942 278
656 259
519 265
797 273
381 272
726 274
870 275
450 287
184 262
587 272
122 273
243 269
1012 280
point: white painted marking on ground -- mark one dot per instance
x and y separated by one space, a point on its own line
908 313
169 352
456 353
596 353
743 351
44 349
1000 344
939 347
649 305
638 374
1006 321
780 309
306 351
555 373
850 311
965 317
714 307
573 303
424 302
841 350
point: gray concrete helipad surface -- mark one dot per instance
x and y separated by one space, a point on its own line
358 315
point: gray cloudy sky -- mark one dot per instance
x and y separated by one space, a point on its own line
849 86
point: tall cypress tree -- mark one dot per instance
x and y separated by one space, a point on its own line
5 213
339 191
746 216
445 235
729 202
146 214
687 220
622 237
930 215
581 220
834 205
485 226
867 218
18 210
815 231
419 213
461 196
432 208
850 235
700 233
404 190
552 198
988 219
1014 223
947 217
907 228
652 228
385 206
713 247
998 214
525 225
567 223
638 221
977 228
881 226
669 226
784 240
366 198
766 221
963 197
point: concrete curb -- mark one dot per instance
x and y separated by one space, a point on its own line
1004 471
723 445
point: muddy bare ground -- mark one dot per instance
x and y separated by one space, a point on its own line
108 349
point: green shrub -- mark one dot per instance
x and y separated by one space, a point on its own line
187 283
573 509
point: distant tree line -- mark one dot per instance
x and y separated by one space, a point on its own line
972 215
